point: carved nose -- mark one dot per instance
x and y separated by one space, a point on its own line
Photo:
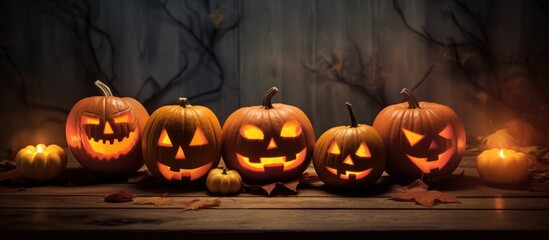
433 146
180 154
348 160
272 144
108 129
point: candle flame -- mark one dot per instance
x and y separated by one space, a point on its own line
501 153
39 148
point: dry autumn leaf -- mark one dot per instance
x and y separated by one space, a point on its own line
157 201
119 197
419 193
277 188
196 204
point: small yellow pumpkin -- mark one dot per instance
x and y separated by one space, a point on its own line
502 166
223 181
41 163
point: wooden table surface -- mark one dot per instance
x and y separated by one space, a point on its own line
80 209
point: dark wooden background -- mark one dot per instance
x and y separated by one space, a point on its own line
488 60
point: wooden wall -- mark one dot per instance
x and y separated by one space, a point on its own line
320 54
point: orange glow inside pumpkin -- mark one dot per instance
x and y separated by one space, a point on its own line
90 120
193 174
291 129
348 160
115 147
334 149
272 144
412 137
348 174
122 119
199 138
447 133
363 151
108 129
180 154
164 139
39 148
422 163
267 162
251 132
501 154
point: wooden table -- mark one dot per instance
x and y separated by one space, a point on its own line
314 211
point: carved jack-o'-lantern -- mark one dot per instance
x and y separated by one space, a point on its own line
349 156
268 143
104 133
182 143
424 140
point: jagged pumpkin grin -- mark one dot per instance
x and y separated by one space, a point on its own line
180 174
272 162
108 150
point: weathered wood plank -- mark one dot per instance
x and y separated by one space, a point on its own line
25 203
278 220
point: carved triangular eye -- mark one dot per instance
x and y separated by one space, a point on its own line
334 149
164 139
447 133
251 132
199 138
412 137
363 151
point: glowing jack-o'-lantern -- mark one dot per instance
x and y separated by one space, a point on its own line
425 140
349 156
268 143
104 133
182 143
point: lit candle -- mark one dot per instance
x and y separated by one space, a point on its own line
41 163
502 166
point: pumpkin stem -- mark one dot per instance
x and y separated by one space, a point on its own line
104 88
352 114
268 97
409 96
224 171
184 102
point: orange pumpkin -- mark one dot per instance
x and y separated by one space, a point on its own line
104 133
182 143
268 143
423 139
349 156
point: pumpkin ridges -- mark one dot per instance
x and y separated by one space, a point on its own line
428 120
181 123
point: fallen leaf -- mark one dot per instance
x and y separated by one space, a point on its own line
158 201
196 204
539 172
11 175
272 189
119 197
309 178
6 165
418 192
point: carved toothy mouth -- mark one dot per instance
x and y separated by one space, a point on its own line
272 162
426 166
105 149
350 174
192 174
